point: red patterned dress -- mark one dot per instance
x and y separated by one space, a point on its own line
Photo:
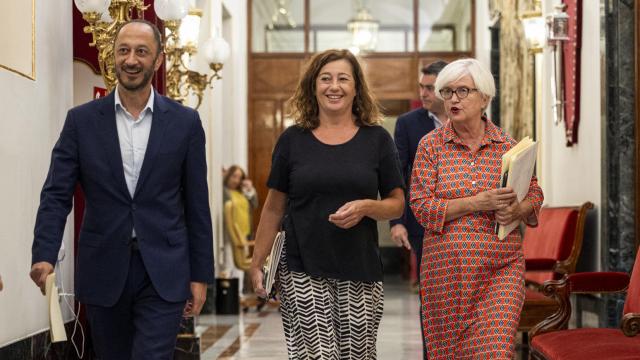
472 284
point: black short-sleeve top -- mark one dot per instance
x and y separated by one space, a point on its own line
318 179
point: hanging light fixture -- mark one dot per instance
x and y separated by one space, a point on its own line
281 16
364 29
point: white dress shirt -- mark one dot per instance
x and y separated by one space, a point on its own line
133 135
436 120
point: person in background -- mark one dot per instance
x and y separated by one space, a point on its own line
327 171
243 198
410 128
472 283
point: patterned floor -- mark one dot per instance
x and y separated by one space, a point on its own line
259 336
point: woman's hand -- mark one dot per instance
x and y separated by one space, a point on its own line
496 199
349 214
509 214
256 279
247 185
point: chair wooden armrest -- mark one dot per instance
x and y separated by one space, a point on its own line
631 324
579 283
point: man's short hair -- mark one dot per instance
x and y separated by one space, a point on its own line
156 33
434 68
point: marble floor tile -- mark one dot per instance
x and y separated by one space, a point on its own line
259 336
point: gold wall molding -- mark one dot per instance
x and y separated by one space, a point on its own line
13 9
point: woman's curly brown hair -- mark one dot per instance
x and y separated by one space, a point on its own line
304 105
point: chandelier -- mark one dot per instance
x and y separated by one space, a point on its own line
364 30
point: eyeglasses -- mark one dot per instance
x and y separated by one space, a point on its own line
461 92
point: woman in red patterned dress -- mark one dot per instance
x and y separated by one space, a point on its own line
472 284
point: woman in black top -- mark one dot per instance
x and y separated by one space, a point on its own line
326 174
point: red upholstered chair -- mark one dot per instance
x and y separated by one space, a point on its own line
593 344
551 250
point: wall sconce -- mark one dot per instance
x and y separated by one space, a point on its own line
183 30
557 33
558 25
364 30
103 27
181 42
534 29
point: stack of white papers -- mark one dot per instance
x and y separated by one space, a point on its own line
271 266
517 169
55 314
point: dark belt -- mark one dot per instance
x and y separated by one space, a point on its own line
134 244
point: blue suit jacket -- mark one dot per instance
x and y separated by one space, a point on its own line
410 128
170 206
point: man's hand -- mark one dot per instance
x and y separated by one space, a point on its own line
198 296
400 236
1 285
39 272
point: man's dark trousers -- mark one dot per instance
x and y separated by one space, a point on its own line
141 325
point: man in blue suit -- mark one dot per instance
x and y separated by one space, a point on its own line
145 245
410 128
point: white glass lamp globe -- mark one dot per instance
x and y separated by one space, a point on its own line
216 50
97 6
168 10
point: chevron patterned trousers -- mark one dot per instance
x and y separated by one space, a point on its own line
327 319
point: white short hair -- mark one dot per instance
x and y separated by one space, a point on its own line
458 69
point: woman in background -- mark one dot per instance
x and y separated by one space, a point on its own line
240 199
